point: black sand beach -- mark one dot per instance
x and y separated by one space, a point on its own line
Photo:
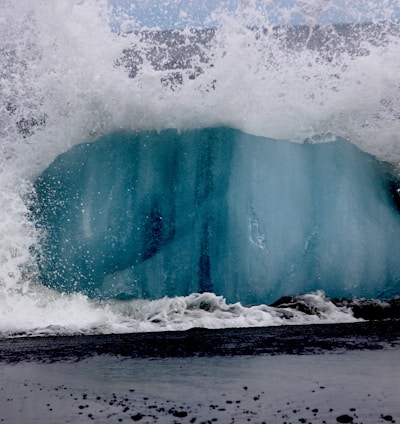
294 374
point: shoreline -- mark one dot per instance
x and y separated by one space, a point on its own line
323 373
290 339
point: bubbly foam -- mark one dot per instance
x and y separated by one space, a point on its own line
43 313
62 83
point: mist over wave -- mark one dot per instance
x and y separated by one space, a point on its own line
68 77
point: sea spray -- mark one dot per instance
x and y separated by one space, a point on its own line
66 79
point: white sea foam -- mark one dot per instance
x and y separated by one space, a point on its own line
43 312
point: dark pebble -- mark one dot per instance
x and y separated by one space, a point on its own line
137 417
344 419
387 417
179 414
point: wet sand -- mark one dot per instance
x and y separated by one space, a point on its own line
351 379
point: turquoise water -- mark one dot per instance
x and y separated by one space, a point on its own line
147 215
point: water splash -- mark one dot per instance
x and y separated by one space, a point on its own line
66 77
